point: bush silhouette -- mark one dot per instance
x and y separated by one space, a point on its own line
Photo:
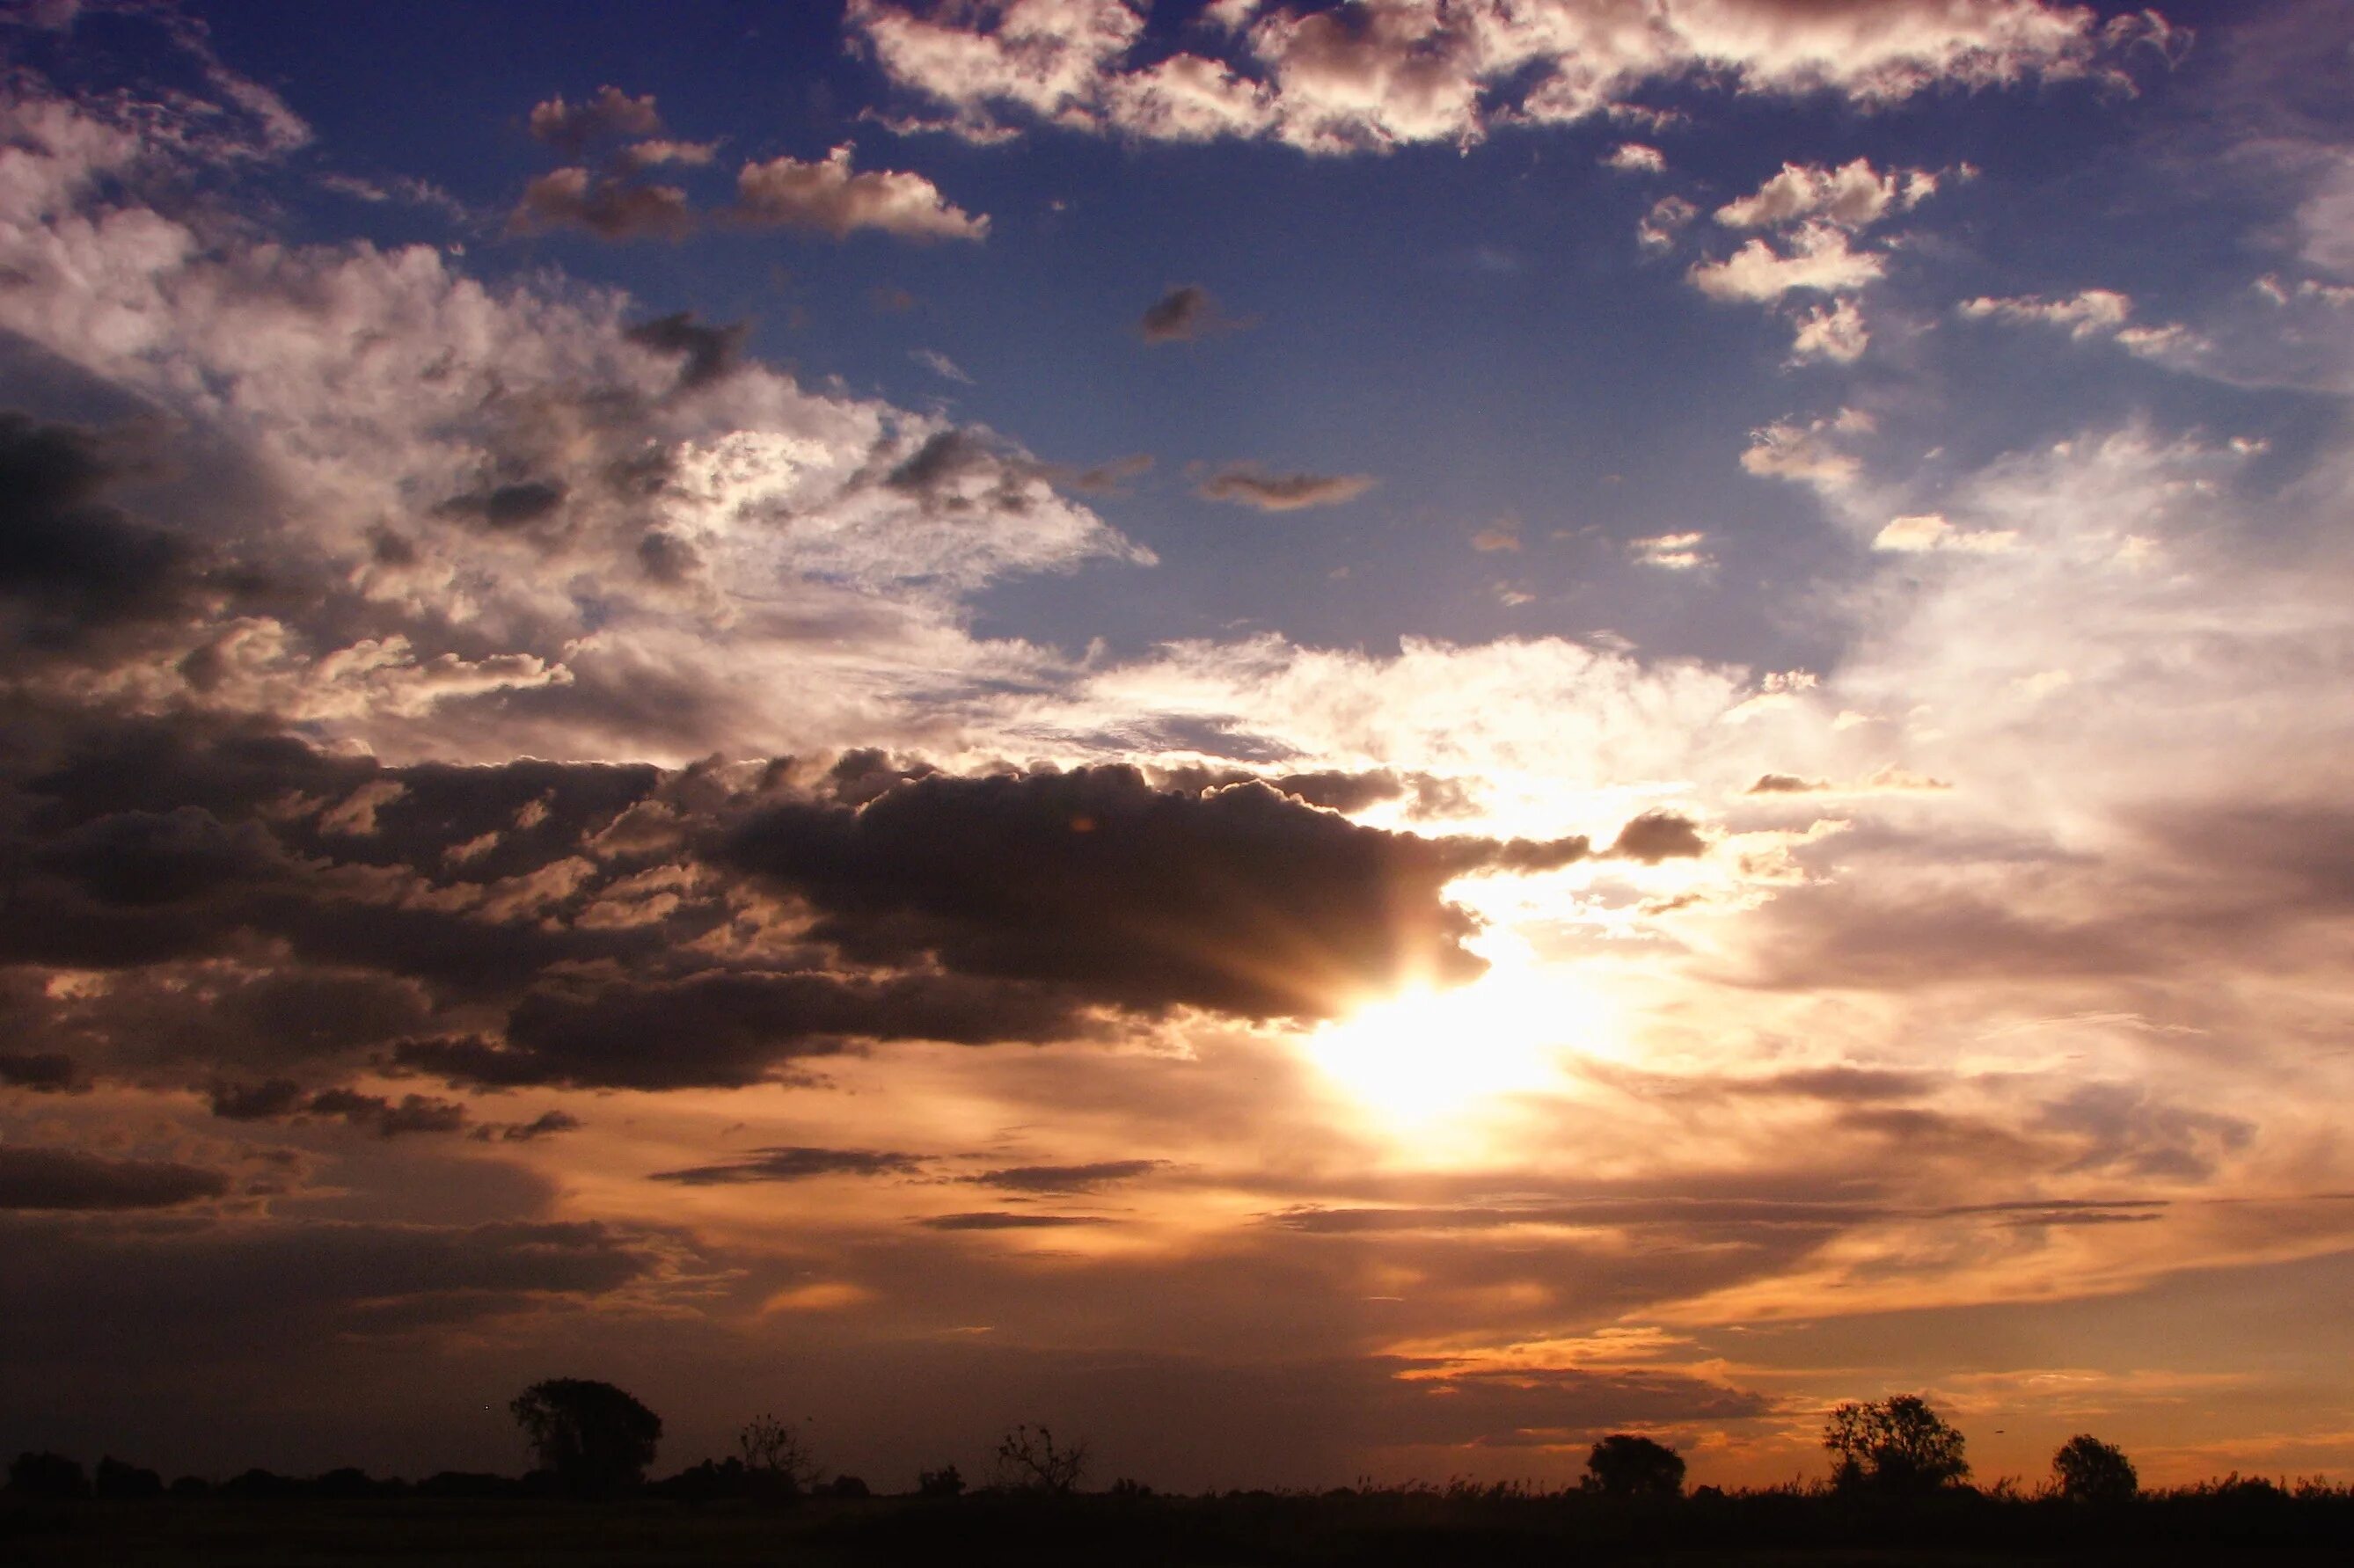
596 1439
944 1482
1896 1445
779 1462
1625 1466
2086 1470
51 1477
1029 1461
117 1480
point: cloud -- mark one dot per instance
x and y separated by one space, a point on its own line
2090 313
1929 531
42 1072
828 196
33 1177
1004 1220
280 1099
1853 196
1634 158
602 205
939 365
610 112
1670 217
1186 313
1241 900
1656 836
1388 73
1247 485
1818 260
793 1164
706 354
1834 332
1672 552
1065 1178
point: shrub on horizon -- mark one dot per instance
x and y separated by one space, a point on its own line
2086 1470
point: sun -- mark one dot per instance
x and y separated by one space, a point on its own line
1430 1054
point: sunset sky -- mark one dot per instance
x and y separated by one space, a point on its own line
1325 740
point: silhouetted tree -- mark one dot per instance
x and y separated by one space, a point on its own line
1031 1462
848 1487
596 1439
944 1482
781 1462
1897 1444
119 1481
2089 1470
1625 1466
52 1477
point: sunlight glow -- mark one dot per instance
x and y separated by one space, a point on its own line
1430 1054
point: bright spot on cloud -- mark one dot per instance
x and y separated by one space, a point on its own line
1428 1057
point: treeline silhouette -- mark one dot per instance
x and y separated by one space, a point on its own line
1899 1481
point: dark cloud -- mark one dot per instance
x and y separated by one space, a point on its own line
1787 784
1087 1178
1004 1220
726 1029
1184 314
828 196
1656 836
507 506
280 1100
611 111
607 206
545 1124
706 354
44 1178
1110 478
793 1164
1243 900
74 567
1247 485
43 1072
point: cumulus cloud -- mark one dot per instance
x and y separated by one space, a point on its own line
1819 260
1853 196
1249 484
1392 72
608 113
2094 313
1834 332
1635 158
1241 900
604 205
827 194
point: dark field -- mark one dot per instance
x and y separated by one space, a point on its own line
1422 1528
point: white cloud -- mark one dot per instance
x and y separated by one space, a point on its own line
1634 158
1929 531
1818 260
1835 331
1853 196
1672 552
1383 73
826 195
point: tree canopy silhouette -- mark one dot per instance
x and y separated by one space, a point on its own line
1897 1445
1031 1461
1625 1466
2086 1470
597 1439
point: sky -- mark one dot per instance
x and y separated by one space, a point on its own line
1325 740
